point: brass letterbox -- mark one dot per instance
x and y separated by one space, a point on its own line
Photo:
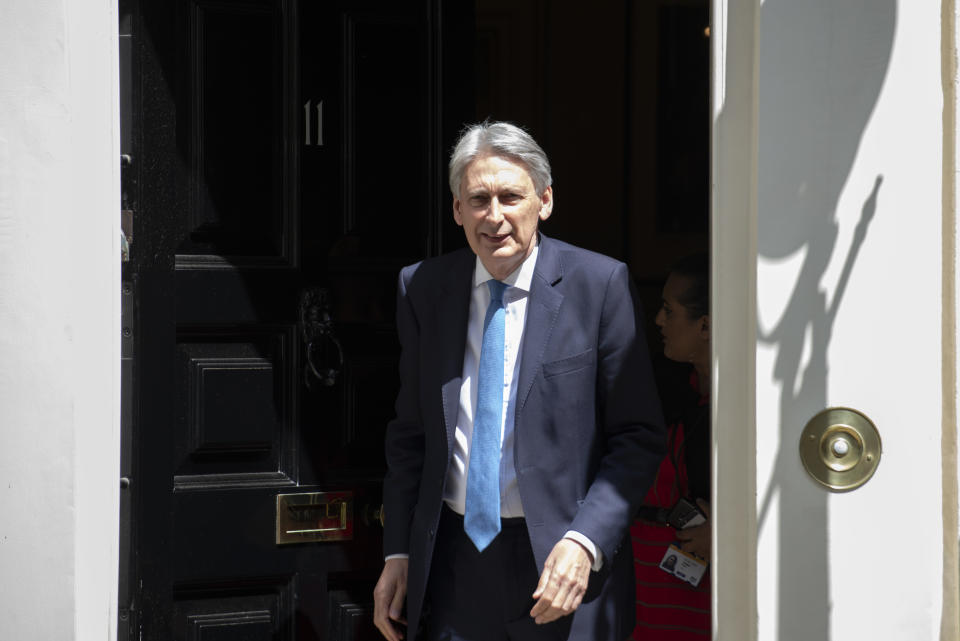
314 517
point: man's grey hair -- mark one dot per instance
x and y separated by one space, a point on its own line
499 139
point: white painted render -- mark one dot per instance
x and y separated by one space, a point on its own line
840 109
59 319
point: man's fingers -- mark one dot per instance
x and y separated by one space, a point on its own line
381 617
564 600
554 609
544 578
572 602
396 606
544 593
383 623
388 598
563 582
541 606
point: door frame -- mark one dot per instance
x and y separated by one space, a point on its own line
733 294
735 28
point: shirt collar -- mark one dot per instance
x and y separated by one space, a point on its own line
520 278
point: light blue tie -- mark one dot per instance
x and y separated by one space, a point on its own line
481 519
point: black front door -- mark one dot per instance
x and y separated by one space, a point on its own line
286 160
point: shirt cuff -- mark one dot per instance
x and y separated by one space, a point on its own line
597 555
396 556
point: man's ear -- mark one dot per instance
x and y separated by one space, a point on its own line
456 212
705 328
546 203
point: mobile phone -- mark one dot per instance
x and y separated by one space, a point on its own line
685 514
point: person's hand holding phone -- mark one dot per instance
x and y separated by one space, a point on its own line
696 539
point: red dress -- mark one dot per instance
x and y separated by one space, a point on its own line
668 609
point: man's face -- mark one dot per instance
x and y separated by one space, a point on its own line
499 210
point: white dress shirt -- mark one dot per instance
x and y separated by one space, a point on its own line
515 313
515 299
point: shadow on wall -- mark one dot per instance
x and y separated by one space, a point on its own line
821 68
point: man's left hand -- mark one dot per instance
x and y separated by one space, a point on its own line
563 581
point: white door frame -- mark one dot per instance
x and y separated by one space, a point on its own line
734 27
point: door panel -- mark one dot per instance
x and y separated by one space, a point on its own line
289 162
229 611
236 394
239 175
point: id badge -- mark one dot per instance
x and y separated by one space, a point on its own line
685 567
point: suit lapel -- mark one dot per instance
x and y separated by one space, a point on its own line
452 309
542 311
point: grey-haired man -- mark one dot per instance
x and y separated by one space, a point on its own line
528 428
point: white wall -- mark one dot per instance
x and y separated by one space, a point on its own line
839 106
849 204
59 319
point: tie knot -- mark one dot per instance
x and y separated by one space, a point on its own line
496 290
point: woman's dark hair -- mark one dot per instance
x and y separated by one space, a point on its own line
696 269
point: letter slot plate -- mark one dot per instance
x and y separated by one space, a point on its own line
314 517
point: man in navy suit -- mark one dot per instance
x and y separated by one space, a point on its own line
526 394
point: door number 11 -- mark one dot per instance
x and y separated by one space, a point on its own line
308 118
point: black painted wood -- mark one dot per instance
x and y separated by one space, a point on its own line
351 618
284 145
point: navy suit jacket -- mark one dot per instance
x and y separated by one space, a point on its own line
588 427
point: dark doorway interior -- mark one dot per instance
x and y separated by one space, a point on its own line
284 159
619 96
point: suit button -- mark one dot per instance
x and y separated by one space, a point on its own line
431 533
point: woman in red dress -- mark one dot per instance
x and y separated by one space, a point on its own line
669 608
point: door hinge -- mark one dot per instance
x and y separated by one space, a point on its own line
126 234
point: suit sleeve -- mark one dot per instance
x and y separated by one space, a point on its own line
404 441
629 420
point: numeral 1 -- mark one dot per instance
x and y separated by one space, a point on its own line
307 117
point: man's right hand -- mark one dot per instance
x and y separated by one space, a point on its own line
388 598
